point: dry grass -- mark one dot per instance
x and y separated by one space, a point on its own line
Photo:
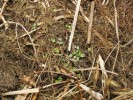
56 66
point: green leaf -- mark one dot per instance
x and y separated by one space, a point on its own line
34 26
79 75
56 50
59 79
89 49
68 26
82 55
70 55
59 42
53 40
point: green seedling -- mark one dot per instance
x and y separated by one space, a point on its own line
53 10
77 54
34 26
66 64
79 76
56 41
89 50
59 42
68 26
45 55
56 50
74 68
53 40
59 79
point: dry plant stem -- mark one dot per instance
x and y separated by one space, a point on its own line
65 90
44 67
90 23
82 12
107 2
74 24
2 9
67 93
102 65
110 21
125 96
5 23
94 68
1 16
35 52
21 97
29 32
43 4
16 32
128 43
2 25
68 75
47 3
26 91
96 95
103 2
34 90
62 16
93 64
110 53
117 34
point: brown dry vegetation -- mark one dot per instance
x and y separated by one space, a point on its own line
34 49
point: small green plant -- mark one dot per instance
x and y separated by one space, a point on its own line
66 64
68 26
45 55
77 54
57 41
56 50
74 68
34 26
89 50
79 75
53 10
53 40
59 79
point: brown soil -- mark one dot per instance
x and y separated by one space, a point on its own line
21 61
